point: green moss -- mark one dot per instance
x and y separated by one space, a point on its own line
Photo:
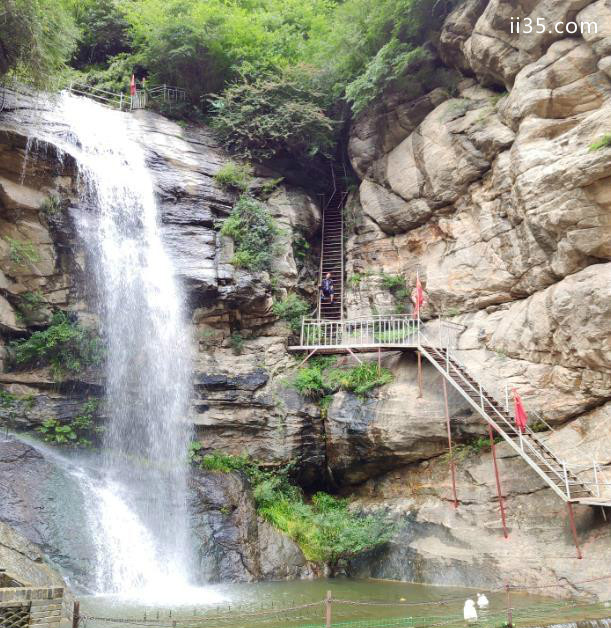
64 345
234 175
602 142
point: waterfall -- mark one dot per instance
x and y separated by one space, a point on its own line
138 510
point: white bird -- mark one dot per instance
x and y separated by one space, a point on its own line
482 600
469 612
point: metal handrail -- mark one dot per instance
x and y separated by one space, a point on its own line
529 433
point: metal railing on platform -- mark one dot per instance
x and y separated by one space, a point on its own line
359 333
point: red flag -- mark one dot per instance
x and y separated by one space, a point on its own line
132 86
520 414
417 298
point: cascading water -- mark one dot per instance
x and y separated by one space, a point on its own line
138 510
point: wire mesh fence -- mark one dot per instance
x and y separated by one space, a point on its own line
344 613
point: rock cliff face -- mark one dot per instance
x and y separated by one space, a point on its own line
494 197
490 193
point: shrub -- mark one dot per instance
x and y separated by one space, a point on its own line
309 381
51 206
360 379
79 432
234 175
393 282
390 63
237 342
254 231
325 529
292 309
319 378
37 39
602 142
272 116
64 345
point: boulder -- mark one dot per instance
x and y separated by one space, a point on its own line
233 545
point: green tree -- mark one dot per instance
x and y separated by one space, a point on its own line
273 116
37 38
103 31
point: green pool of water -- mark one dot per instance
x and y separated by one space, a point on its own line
356 604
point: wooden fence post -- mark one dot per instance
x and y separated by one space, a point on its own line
328 610
76 614
509 614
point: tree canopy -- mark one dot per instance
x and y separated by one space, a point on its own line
269 73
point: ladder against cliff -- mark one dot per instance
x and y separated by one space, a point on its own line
436 340
332 246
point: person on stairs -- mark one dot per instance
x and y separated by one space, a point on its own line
326 288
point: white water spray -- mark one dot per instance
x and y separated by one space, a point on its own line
138 511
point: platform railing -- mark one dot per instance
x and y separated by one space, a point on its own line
374 331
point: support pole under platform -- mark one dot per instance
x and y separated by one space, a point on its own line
307 357
420 374
574 529
499 490
452 465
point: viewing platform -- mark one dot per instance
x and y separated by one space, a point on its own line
395 332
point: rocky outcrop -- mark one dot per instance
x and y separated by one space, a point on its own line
233 543
366 437
465 546
25 561
496 199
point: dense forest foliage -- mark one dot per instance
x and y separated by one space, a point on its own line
273 76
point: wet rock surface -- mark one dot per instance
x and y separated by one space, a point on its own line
233 544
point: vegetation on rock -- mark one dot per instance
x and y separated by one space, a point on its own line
292 309
37 38
271 116
29 306
234 175
77 433
602 142
273 78
64 345
22 252
324 527
254 231
319 377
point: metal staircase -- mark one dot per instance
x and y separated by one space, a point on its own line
332 248
550 467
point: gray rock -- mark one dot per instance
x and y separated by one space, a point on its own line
233 545
43 502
